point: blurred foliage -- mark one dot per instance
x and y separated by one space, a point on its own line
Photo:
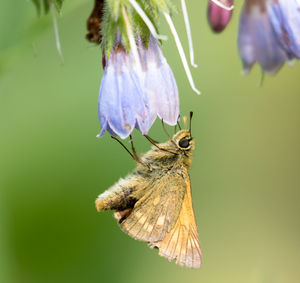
245 172
45 5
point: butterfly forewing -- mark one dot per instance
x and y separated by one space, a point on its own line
156 212
182 242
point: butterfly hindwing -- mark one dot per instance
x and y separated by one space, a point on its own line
182 242
156 212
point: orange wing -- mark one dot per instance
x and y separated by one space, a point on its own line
182 242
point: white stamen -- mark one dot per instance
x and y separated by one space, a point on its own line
189 33
222 5
147 21
55 26
181 52
132 42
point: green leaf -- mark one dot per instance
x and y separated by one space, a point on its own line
37 4
58 4
113 21
161 4
44 5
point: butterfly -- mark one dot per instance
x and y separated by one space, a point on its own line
154 202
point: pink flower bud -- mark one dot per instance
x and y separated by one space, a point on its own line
219 17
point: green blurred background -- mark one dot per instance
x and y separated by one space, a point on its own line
245 173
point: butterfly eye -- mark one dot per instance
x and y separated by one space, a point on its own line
184 143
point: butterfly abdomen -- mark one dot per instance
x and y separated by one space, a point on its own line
118 197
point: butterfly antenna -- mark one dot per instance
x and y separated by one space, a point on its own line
163 124
175 129
191 116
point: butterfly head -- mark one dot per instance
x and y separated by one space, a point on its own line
184 141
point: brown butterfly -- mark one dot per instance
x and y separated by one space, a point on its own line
154 203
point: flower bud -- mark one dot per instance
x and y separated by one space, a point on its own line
219 17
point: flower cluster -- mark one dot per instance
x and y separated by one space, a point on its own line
138 85
132 95
269 33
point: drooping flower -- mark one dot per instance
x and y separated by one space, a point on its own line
159 84
285 19
219 17
257 41
132 97
138 85
123 105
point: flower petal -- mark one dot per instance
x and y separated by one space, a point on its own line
122 104
257 41
160 85
285 19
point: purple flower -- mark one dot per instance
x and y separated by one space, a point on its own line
285 19
134 91
218 17
257 40
123 104
159 84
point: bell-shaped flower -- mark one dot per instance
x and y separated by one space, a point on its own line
159 83
132 96
218 16
285 19
123 104
257 41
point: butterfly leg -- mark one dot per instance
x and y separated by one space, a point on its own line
134 155
155 144
120 216
165 130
